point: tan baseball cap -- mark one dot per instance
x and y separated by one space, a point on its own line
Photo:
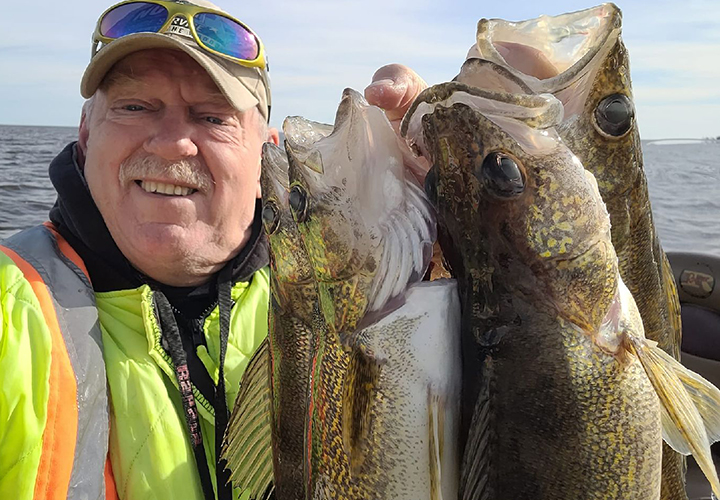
242 86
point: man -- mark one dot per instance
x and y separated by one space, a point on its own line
127 320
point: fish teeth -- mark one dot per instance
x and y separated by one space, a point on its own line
169 189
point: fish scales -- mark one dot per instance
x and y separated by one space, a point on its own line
302 352
618 167
559 403
392 396
539 446
384 401
643 264
575 427
593 75
293 311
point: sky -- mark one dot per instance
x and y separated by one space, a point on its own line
317 48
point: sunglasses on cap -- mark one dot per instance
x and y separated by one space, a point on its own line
214 31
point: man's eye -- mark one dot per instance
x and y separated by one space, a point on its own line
214 120
133 107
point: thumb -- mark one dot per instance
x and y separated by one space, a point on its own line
394 88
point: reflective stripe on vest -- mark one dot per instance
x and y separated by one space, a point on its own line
75 439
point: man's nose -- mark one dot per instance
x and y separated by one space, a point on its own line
172 137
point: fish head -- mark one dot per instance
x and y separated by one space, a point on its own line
580 58
519 209
348 191
604 135
292 277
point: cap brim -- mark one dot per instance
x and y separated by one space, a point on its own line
239 85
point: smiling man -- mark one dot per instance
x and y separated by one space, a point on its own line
128 320
172 166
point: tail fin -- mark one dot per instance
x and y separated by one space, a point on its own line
690 406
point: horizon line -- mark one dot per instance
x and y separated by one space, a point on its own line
705 138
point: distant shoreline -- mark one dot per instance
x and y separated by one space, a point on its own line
38 126
675 142
663 141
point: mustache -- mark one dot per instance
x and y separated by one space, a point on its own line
188 171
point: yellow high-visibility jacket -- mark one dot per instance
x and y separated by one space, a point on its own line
89 403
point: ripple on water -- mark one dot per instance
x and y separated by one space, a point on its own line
26 194
684 183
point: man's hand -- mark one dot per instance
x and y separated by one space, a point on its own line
394 88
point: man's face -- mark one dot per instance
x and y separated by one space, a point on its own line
161 126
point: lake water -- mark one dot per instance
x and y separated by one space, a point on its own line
684 180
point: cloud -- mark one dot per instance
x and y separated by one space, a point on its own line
676 89
678 120
319 47
696 60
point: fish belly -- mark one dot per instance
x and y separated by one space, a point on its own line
410 448
419 390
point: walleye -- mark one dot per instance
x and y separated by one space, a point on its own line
385 397
294 311
563 396
293 315
587 68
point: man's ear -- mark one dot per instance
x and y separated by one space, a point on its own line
258 190
273 136
83 135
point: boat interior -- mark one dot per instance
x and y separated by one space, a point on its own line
695 276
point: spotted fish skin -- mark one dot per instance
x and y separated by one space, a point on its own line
600 127
551 410
293 315
385 394
617 163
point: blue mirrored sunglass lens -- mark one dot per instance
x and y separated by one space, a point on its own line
225 36
136 17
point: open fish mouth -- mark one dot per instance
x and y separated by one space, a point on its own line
554 54
568 41
367 226
529 119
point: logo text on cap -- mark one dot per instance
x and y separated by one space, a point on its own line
180 26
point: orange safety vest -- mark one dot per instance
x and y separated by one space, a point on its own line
74 463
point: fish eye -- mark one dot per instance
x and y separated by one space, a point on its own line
431 185
298 202
501 175
614 115
270 217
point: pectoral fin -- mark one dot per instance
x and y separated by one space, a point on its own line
690 405
436 430
247 446
671 295
358 393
